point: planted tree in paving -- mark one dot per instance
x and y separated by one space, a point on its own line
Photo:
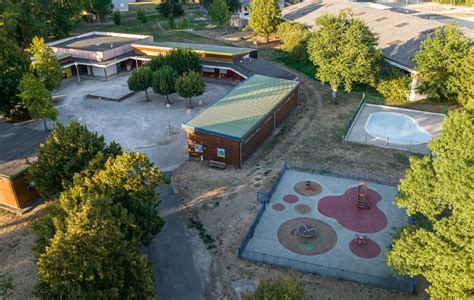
219 13
440 62
190 85
344 50
264 17
439 193
164 81
45 64
140 80
67 151
37 99
183 60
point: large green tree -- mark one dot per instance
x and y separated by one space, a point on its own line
344 50
89 256
183 60
440 63
140 80
293 37
14 63
264 17
63 17
67 151
37 99
282 288
190 85
439 193
219 13
45 64
164 81
100 8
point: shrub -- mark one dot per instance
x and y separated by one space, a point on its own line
284 287
393 84
170 8
117 18
293 37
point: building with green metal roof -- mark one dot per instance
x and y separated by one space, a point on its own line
231 129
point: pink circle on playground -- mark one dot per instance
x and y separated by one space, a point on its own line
344 209
290 198
368 249
278 207
303 209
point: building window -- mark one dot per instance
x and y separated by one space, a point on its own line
198 148
221 152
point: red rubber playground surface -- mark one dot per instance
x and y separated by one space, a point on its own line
343 208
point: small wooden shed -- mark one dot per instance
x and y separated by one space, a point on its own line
17 145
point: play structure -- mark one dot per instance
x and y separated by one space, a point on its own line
328 225
362 200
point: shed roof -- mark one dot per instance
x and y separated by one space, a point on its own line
17 144
400 35
243 107
203 48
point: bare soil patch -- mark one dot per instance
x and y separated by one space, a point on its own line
16 252
226 204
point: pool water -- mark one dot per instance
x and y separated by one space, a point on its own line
396 128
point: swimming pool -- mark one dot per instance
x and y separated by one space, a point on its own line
396 128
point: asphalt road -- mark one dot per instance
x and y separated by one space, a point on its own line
175 275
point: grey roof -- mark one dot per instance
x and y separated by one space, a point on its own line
96 42
400 35
17 143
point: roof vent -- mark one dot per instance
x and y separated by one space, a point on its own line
381 19
361 13
402 24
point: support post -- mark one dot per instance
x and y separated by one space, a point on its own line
413 86
77 73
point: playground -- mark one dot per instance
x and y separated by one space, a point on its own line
328 225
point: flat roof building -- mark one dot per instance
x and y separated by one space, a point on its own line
231 129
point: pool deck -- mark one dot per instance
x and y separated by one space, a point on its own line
428 121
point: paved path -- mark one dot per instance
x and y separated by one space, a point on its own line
171 255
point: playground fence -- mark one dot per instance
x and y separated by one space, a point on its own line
402 283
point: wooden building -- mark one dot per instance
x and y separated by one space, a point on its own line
232 129
17 145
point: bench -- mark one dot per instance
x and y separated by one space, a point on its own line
217 164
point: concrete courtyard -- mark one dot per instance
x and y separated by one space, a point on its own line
333 255
134 123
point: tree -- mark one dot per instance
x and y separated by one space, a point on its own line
393 84
45 65
264 17
89 256
64 16
439 193
117 17
219 13
141 17
183 60
233 5
14 63
37 99
294 37
99 7
164 81
284 287
170 8
439 62
344 50
140 80
156 62
67 151
190 85
464 84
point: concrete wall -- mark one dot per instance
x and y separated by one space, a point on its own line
100 72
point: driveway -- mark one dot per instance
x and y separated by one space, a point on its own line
176 277
135 123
